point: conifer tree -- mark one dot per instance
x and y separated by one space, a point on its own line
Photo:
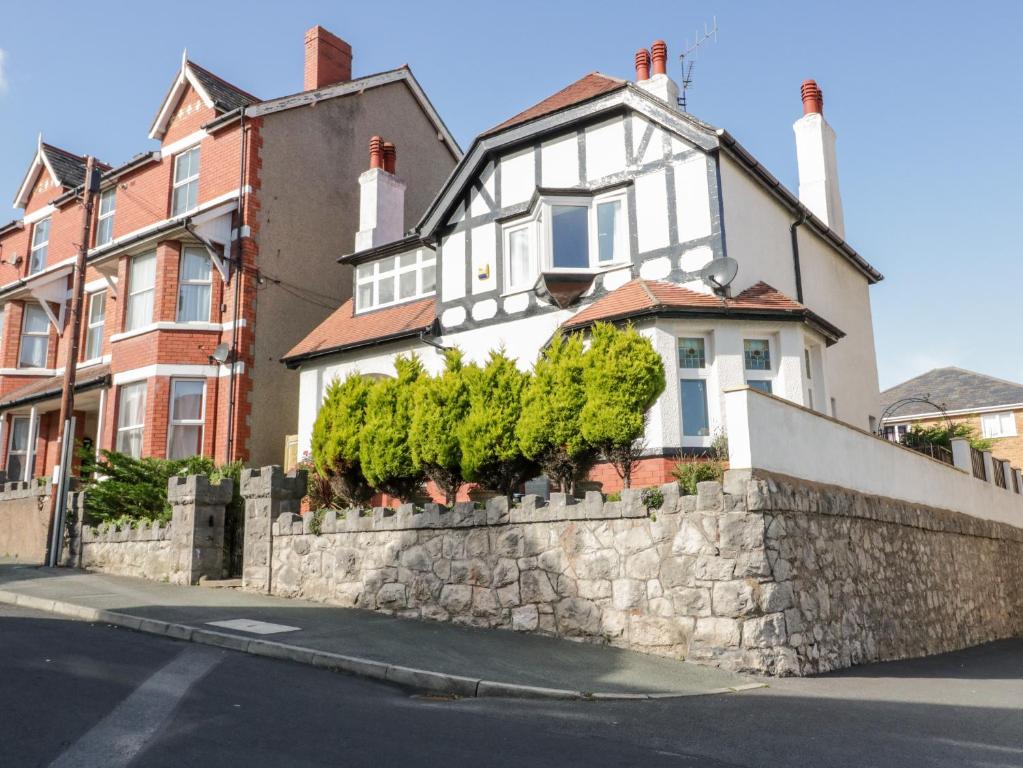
441 405
336 442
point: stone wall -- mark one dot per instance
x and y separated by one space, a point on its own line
24 513
188 548
774 576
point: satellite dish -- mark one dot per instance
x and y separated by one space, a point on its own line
720 272
220 354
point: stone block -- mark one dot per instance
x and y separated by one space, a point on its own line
577 617
764 631
716 632
456 598
627 594
525 618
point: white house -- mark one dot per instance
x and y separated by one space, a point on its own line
606 202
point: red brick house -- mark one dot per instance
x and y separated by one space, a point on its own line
216 240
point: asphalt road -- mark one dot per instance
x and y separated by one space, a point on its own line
76 694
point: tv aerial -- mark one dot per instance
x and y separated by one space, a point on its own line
690 52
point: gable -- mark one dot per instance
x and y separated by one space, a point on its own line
188 115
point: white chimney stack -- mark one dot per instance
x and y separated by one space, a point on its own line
382 200
656 82
818 163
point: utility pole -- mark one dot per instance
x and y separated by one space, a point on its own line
59 490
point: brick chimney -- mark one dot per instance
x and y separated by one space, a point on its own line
382 198
328 59
658 83
817 160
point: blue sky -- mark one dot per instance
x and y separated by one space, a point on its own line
924 96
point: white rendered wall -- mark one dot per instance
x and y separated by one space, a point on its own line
769 434
757 236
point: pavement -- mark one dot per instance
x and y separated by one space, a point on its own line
86 694
425 656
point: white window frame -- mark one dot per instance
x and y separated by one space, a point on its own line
132 323
37 334
695 441
179 184
39 250
182 283
425 258
25 454
141 426
91 325
1004 424
172 422
540 225
105 219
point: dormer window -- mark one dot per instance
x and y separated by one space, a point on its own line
40 246
395 279
569 234
186 182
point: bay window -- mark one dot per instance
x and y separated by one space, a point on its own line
576 234
756 355
186 182
187 417
105 218
131 419
35 338
692 363
18 448
194 286
395 279
141 285
94 325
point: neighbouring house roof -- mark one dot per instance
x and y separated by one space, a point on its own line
214 91
955 389
44 389
225 95
585 88
66 168
403 245
345 330
639 298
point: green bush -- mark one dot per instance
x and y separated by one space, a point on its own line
623 378
384 447
491 453
336 444
692 471
122 488
942 434
549 430
441 405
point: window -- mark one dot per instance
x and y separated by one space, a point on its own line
806 362
141 282
40 246
186 181
586 234
998 424
519 265
757 354
691 353
18 448
896 432
131 419
105 219
395 279
761 385
570 242
609 215
194 286
94 325
35 338
695 422
187 416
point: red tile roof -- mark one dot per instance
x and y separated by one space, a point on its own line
583 89
51 387
344 329
650 296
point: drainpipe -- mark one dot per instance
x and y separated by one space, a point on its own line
795 255
237 277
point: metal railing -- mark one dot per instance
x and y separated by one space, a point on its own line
939 452
977 460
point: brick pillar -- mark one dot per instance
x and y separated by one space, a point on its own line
268 494
197 527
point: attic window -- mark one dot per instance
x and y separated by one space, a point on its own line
186 182
40 246
395 279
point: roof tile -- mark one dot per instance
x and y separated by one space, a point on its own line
955 389
585 88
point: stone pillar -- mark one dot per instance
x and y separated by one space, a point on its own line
197 527
961 454
268 493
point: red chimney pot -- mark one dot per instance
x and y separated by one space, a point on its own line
376 152
659 52
642 64
390 157
813 98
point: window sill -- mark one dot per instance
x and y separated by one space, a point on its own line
170 326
